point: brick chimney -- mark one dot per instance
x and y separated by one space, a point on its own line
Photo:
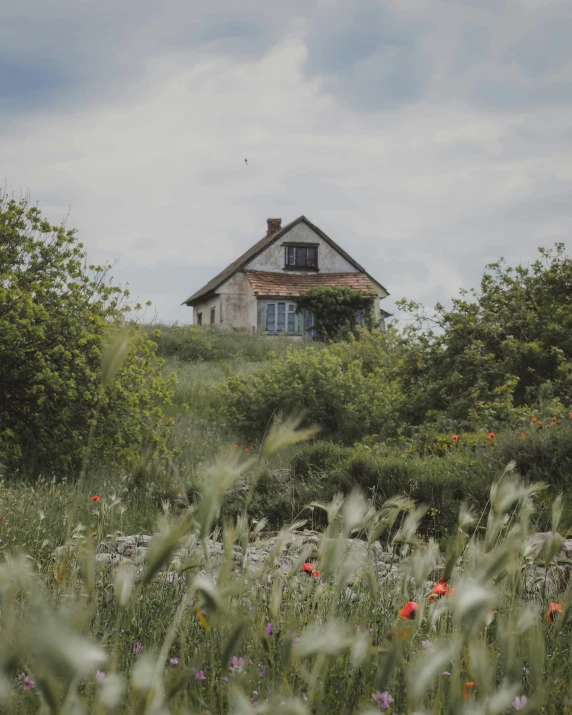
274 225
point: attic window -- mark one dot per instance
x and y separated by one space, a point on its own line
301 257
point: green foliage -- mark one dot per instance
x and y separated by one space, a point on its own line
350 389
496 351
335 308
56 315
187 628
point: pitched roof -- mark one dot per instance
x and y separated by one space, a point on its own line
290 285
260 246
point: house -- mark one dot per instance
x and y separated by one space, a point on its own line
258 291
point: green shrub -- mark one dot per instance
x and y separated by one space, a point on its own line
350 389
336 309
55 317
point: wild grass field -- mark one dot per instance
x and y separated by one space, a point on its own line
467 620
200 522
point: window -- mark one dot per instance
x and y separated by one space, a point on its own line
199 318
280 317
213 315
301 257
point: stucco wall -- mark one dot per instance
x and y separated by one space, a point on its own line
205 308
329 261
238 304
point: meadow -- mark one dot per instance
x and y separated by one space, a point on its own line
201 522
468 619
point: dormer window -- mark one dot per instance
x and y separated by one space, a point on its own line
301 257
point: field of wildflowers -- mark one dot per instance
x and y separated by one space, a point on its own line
481 628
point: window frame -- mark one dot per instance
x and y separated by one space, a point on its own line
200 318
290 249
213 315
289 313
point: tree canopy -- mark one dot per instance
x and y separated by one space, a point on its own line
56 313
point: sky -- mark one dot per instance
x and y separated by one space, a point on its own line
426 137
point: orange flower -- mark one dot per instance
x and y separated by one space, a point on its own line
408 611
553 609
95 498
466 686
534 419
491 435
440 588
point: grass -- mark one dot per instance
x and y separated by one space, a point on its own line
79 636
94 639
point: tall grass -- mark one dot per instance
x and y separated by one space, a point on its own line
197 636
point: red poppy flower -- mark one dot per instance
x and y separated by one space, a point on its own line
440 588
523 434
540 425
553 419
534 419
307 568
95 498
316 574
466 686
408 611
553 609
246 450
455 438
491 435
570 415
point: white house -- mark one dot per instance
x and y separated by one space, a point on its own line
258 291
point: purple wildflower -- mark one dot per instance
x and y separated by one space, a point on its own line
384 699
519 702
426 644
236 664
446 672
269 629
200 675
137 647
26 681
174 661
99 676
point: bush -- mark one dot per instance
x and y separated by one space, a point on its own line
55 317
442 481
349 389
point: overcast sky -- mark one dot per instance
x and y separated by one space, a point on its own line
426 137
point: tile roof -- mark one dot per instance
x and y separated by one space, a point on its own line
255 250
290 285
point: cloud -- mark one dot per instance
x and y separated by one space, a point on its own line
367 54
420 135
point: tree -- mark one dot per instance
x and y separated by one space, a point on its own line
55 315
506 347
336 310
